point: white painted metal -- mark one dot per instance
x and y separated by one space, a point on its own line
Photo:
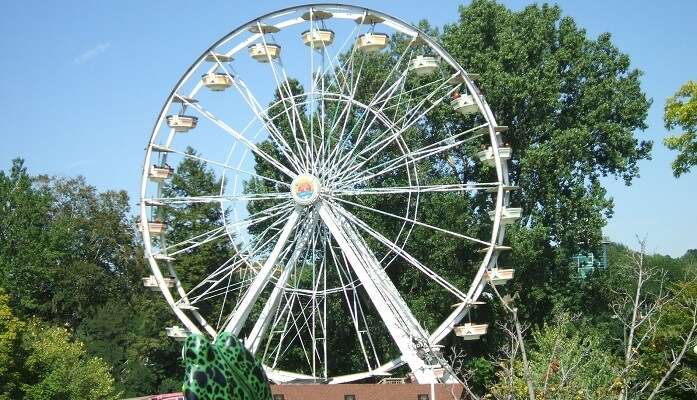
423 65
253 341
404 328
508 216
470 331
497 276
372 42
242 312
342 175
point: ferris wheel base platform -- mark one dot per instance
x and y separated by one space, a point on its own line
375 391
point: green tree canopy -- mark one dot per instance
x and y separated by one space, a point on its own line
681 113
43 362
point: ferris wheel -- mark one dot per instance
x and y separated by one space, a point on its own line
315 119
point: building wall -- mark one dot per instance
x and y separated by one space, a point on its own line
367 392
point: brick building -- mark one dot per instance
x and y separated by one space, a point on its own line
368 392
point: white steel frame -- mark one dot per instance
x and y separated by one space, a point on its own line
274 260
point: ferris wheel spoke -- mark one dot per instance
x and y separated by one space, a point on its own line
222 291
282 83
225 166
354 175
354 79
332 154
342 68
254 339
222 231
406 93
380 93
300 325
260 114
363 130
415 113
221 198
281 312
351 304
288 109
239 137
381 143
290 301
240 315
282 211
404 254
467 187
249 274
412 221
198 241
250 247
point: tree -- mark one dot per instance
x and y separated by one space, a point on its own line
60 368
43 362
681 112
10 336
659 328
64 247
572 104
68 256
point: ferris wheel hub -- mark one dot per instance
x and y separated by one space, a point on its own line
305 189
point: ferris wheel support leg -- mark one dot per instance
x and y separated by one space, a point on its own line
253 341
398 319
240 316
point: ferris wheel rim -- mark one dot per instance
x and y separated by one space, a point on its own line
502 197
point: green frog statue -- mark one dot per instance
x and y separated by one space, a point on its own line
222 370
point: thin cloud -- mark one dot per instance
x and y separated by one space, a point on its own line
92 53
79 163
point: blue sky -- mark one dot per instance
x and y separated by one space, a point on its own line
83 82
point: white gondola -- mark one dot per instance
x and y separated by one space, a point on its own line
155 227
497 276
486 156
218 57
263 53
318 38
464 104
160 174
372 42
151 283
182 123
470 331
216 81
508 215
423 65
177 333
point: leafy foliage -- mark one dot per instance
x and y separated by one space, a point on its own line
42 362
69 255
681 112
